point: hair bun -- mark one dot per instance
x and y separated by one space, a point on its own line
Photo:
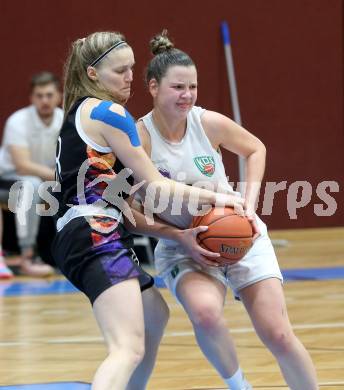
160 43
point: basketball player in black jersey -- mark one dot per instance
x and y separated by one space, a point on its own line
98 157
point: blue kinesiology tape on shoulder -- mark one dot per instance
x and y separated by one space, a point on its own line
125 123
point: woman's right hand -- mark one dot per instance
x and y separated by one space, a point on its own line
230 200
188 240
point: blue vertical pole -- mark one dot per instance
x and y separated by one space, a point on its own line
232 88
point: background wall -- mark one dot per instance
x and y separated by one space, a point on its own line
288 56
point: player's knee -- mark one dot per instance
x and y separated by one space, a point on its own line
136 354
137 346
207 317
280 341
131 352
130 344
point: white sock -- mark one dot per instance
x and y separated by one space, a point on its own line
237 381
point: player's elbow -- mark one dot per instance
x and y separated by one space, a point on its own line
258 150
262 149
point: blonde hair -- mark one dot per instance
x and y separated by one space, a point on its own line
83 52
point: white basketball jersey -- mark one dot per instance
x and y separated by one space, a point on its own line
193 161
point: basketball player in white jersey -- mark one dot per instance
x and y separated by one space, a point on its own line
93 247
183 142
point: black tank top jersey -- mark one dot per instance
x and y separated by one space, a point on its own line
98 168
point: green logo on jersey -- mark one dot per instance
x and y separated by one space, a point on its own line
175 271
205 164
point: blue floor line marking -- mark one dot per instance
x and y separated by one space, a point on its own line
50 386
45 287
314 273
36 287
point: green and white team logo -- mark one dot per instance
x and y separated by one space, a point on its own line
205 164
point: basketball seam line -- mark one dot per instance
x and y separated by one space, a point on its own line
219 217
206 238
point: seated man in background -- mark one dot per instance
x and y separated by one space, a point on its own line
27 156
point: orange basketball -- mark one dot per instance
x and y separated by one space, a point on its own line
228 234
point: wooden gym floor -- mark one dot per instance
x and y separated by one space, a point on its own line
54 338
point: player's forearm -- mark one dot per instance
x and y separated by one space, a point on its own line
255 167
198 196
159 229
